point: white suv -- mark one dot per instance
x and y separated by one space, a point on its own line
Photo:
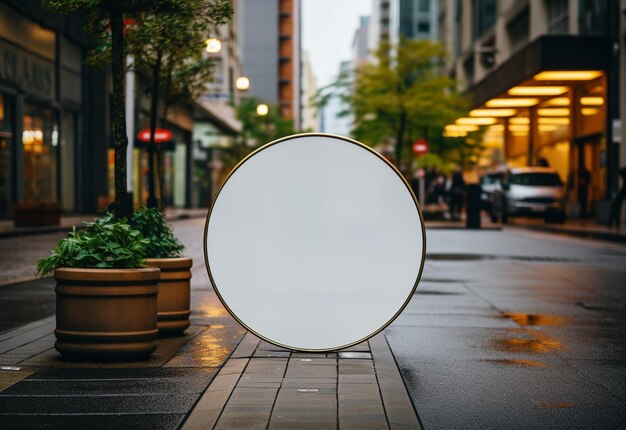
530 191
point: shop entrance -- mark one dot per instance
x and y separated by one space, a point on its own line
590 174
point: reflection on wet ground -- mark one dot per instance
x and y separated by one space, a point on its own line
539 343
421 291
536 319
478 257
527 363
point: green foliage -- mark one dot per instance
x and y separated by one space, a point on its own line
401 97
161 240
111 245
258 130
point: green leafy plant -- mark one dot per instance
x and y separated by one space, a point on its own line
161 240
110 245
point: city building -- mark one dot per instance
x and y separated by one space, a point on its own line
310 118
56 145
270 35
360 42
54 126
544 82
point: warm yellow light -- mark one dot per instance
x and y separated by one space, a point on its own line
591 101
447 133
558 101
568 75
242 83
519 102
262 109
520 120
554 120
518 127
496 127
589 111
458 127
520 133
553 112
493 112
213 45
536 91
548 127
476 121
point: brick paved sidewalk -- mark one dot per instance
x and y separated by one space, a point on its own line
196 378
263 386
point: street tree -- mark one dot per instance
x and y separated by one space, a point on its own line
167 47
108 21
400 97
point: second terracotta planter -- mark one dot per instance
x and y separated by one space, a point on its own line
174 294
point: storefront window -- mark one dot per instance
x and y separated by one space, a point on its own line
518 132
554 134
6 153
40 138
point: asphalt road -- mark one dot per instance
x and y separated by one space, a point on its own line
515 330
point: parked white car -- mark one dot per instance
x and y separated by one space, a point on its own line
530 191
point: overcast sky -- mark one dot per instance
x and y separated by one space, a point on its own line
328 27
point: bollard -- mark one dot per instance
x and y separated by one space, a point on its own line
473 206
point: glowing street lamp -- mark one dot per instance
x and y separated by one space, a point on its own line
242 83
262 109
213 45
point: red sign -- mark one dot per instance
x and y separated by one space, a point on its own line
160 135
420 146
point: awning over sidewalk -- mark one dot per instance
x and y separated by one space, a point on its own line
547 53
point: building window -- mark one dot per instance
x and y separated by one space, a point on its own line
593 16
424 6
40 140
558 16
458 11
484 16
423 27
6 154
518 30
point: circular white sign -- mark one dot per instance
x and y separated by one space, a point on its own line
315 242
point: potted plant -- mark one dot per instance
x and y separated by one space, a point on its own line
106 300
164 251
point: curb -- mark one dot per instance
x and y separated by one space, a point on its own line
583 233
31 231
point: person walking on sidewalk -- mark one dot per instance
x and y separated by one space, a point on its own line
455 197
584 178
618 201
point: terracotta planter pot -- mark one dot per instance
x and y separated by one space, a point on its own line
174 294
106 314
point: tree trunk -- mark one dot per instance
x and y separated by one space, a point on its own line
400 140
123 208
160 164
153 202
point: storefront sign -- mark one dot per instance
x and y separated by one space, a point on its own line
27 71
420 146
160 135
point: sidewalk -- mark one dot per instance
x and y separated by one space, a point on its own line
194 379
7 229
585 228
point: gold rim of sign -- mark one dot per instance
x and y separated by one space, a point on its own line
354 142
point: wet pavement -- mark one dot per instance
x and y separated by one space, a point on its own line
516 330
508 329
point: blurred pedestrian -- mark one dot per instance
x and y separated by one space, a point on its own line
584 179
455 195
618 201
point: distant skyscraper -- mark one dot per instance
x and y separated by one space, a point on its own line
270 34
360 42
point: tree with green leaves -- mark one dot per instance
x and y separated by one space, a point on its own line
168 47
401 97
109 22
258 129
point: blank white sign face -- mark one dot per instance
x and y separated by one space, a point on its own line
315 243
